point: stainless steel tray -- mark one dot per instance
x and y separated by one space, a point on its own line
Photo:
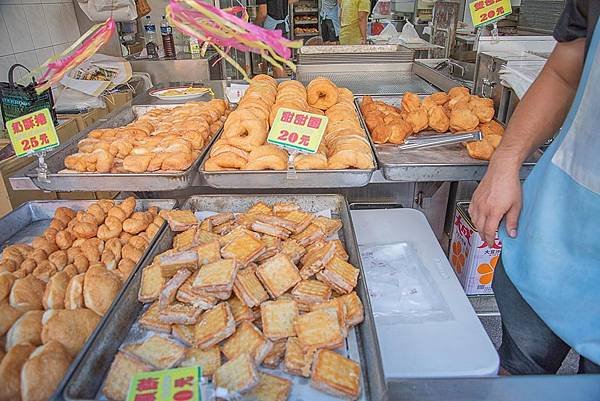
32 218
156 181
445 163
363 347
291 179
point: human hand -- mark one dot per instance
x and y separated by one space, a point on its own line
498 195
363 41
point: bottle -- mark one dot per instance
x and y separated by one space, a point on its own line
167 38
150 38
194 47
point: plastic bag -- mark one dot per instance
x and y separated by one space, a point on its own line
409 34
73 101
400 287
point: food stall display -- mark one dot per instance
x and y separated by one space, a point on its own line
160 140
456 111
63 264
344 152
271 282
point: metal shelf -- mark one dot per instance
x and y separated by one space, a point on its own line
315 22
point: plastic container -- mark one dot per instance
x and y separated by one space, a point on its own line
167 38
150 38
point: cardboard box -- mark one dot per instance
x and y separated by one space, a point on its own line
115 100
86 119
471 258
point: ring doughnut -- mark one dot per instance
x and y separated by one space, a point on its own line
315 161
269 162
266 150
322 93
225 161
345 95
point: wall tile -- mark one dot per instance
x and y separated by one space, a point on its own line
4 2
59 48
55 23
28 59
38 26
44 54
5 46
5 63
69 21
18 30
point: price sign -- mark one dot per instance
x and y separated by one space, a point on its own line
297 130
32 133
235 92
179 384
485 12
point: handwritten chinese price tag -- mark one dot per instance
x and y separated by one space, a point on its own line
297 130
179 384
485 12
235 92
32 133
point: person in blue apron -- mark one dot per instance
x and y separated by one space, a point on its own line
548 282
330 21
274 15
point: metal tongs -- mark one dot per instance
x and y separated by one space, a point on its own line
433 141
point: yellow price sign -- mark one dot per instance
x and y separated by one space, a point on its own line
297 130
485 12
32 133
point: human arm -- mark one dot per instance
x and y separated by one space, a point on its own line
261 14
538 116
362 25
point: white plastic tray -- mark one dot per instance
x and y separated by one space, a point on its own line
448 343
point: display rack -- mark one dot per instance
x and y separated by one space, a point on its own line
304 19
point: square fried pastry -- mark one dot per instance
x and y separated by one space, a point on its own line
216 278
169 290
315 261
235 234
355 313
336 308
296 360
336 375
205 236
180 220
158 351
301 220
214 326
208 253
245 248
209 360
241 312
278 318
122 370
247 339
310 292
274 357
318 329
150 320
248 288
270 229
278 274
152 283
293 249
184 333
199 299
272 247
340 251
223 229
280 209
221 218
179 313
260 208
184 240
310 235
327 225
172 261
271 388
239 374
339 275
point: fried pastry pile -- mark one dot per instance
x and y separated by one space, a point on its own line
54 291
160 140
455 111
264 287
243 143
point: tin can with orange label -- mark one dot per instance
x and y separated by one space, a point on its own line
472 259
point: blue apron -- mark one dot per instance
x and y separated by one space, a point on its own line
332 13
272 23
555 260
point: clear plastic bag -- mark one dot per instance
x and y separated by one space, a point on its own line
400 287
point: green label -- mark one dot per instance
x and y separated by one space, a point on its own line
297 130
181 384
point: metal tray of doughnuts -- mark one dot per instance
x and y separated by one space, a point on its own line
120 327
241 179
76 181
32 218
444 163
